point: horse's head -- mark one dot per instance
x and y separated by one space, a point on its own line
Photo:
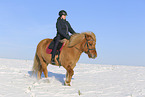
88 45
87 41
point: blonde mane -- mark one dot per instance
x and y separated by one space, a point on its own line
77 38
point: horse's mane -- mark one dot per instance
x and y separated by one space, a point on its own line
77 38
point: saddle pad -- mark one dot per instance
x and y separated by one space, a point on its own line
50 47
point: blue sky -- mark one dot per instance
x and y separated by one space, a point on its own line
119 26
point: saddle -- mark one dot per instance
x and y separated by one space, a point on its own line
51 45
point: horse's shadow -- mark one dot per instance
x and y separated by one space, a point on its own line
58 76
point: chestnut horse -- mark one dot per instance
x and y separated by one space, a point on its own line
69 56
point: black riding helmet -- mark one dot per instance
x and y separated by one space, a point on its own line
62 12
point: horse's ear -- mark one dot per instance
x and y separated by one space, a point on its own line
87 36
90 36
76 39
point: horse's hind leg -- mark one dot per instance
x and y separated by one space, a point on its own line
44 67
39 72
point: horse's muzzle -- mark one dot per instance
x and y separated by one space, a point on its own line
92 55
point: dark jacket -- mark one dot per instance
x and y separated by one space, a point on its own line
63 27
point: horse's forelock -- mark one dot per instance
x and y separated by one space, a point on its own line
91 34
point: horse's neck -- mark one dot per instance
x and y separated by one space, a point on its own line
76 49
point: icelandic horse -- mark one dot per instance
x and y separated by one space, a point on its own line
69 55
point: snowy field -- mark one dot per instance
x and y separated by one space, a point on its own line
89 80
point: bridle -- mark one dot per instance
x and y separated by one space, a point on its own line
85 45
88 45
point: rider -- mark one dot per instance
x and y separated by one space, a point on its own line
63 27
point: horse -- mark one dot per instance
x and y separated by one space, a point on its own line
69 55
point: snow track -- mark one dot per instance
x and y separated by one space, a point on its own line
89 80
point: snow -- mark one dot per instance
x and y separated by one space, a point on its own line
89 80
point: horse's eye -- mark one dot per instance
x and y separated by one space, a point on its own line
90 44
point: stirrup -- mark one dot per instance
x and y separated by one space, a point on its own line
52 61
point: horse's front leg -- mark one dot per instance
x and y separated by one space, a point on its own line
69 75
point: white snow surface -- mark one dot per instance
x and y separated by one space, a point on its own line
89 80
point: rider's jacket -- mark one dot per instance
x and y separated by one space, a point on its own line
63 27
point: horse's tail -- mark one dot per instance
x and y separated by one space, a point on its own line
36 64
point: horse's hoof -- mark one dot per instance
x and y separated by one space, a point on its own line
67 84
